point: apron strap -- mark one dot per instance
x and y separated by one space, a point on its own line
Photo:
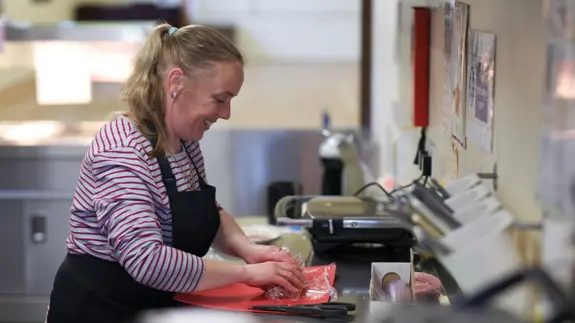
200 178
167 175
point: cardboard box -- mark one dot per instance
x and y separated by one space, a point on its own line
379 270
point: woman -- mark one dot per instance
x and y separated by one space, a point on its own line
143 214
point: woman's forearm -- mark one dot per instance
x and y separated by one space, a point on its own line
231 239
220 274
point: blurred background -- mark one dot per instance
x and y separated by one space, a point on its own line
62 63
302 56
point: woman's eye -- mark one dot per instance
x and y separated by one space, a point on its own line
219 100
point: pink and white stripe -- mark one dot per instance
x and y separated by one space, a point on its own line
121 210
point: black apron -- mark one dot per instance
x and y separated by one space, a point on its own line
92 290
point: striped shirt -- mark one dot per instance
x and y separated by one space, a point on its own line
121 210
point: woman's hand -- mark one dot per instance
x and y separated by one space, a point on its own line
255 254
287 275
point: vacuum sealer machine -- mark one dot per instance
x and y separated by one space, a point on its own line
334 221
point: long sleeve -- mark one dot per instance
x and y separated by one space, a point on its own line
124 205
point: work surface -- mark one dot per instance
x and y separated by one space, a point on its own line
352 277
352 284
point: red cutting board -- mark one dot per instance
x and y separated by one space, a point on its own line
240 297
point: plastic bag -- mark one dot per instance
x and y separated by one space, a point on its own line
317 287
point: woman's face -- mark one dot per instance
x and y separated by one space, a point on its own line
201 101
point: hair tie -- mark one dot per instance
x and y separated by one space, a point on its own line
172 30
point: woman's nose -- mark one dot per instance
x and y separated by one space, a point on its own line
226 112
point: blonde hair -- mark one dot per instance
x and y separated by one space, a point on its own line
192 48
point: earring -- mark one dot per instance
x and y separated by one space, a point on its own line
174 95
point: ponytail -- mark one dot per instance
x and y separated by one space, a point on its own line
191 48
143 89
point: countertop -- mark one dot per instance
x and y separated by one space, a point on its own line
352 276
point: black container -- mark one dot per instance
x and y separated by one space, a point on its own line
332 181
278 190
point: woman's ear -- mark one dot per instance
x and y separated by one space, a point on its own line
175 79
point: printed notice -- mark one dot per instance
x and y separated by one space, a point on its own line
480 89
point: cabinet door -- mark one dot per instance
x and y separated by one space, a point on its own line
12 250
46 231
39 174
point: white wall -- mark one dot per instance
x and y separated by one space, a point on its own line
288 30
384 81
519 77
391 97
268 30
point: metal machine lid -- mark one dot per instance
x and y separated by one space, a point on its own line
351 212
346 208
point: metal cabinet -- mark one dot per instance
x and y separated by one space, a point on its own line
39 173
33 233
33 230
12 275
45 231
36 192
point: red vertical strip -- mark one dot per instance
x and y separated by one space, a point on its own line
421 51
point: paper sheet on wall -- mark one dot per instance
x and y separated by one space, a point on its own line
457 18
480 79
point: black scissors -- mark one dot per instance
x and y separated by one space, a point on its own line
333 311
